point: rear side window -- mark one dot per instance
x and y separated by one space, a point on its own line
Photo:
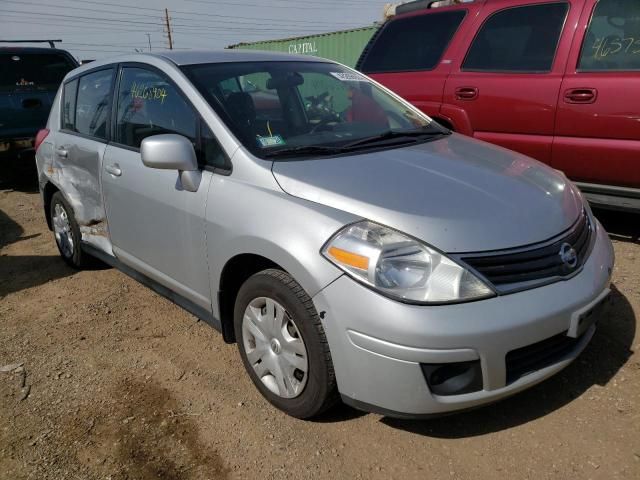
33 71
413 43
612 42
69 105
149 105
92 104
520 39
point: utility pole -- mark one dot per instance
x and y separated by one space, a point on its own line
167 22
149 38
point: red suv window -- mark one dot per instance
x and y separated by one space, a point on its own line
613 39
412 43
519 39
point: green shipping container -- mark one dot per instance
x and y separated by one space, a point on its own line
344 46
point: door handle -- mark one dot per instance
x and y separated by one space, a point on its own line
62 152
581 95
113 169
466 93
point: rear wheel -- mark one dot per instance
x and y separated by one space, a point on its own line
67 232
283 345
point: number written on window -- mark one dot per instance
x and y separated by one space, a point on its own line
605 46
149 105
612 41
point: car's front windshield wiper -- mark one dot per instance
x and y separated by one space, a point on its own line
407 135
394 134
305 150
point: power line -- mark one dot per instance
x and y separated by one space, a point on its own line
100 44
224 20
234 4
101 51
79 17
140 24
206 14
206 30
260 20
62 23
21 2
288 3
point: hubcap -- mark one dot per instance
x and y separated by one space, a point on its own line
62 230
274 347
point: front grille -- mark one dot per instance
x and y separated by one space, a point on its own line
535 263
531 358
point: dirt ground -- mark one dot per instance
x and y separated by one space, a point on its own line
119 383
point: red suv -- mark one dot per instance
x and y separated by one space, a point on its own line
556 80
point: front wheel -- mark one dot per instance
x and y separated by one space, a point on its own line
283 345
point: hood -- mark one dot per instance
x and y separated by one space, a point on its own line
457 194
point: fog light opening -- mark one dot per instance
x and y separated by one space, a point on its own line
453 378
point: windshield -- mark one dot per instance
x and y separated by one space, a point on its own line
278 106
33 71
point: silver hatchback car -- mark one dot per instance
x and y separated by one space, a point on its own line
352 247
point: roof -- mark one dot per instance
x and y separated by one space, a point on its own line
18 49
194 57
191 57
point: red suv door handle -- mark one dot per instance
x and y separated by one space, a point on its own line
466 93
581 95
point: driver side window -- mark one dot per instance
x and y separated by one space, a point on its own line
149 105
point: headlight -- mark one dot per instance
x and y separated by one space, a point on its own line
401 267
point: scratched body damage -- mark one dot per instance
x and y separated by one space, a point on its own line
77 176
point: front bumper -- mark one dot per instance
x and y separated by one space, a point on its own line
378 345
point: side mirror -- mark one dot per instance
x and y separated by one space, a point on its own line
168 152
172 152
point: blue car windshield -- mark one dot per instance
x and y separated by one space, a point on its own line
272 106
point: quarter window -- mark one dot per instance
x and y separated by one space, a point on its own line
69 104
92 104
520 39
212 153
149 105
413 43
612 42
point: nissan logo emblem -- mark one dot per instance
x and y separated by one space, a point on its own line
568 255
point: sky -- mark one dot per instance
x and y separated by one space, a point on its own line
93 29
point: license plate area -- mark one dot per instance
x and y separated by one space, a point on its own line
587 316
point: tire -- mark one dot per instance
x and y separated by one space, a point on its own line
67 233
301 394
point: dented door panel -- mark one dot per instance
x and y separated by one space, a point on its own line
74 165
